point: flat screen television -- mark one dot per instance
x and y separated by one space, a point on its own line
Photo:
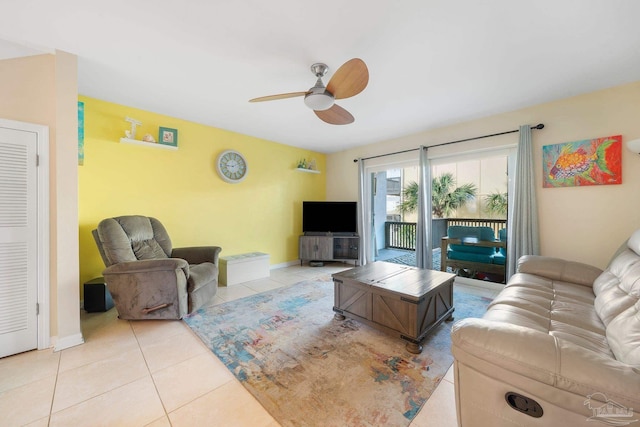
330 217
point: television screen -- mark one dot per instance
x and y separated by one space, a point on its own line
330 217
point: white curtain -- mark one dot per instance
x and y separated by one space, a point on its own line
364 233
523 236
424 252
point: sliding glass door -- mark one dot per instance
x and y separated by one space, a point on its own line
470 189
484 178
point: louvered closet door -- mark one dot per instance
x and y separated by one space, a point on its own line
18 241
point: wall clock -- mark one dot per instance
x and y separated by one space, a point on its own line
232 166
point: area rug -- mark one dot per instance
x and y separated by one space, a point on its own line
308 369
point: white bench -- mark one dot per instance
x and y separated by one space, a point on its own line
240 268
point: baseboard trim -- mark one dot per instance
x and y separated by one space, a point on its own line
68 342
284 264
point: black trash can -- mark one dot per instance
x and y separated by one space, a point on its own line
96 296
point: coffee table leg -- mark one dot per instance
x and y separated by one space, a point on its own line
449 319
414 348
338 316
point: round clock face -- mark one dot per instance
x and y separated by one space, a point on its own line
232 167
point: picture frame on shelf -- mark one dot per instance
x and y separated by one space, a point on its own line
168 136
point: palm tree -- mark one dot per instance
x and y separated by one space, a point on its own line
409 202
496 204
445 199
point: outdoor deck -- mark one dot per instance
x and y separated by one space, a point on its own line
406 257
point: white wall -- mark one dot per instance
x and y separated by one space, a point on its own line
42 89
66 200
586 224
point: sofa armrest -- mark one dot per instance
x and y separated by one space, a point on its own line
489 346
148 265
559 269
513 347
198 254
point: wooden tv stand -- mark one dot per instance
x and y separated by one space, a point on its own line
329 247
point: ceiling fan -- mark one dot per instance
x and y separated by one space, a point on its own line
349 80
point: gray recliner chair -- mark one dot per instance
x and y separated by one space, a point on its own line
146 276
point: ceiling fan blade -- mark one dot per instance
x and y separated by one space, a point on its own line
335 115
350 79
279 96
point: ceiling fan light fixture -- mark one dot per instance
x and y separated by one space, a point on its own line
319 101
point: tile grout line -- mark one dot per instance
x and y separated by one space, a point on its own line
92 397
155 386
167 367
55 387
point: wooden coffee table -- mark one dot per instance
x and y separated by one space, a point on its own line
404 301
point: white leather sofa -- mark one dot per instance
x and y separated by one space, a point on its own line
559 346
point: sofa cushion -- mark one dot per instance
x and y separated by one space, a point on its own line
130 238
148 249
618 302
499 259
634 242
115 242
479 233
623 334
469 256
618 288
611 299
559 269
560 309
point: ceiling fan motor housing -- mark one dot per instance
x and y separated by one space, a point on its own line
318 98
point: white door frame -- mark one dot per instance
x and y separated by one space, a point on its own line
381 165
43 249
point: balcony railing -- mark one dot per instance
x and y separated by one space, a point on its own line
402 235
495 224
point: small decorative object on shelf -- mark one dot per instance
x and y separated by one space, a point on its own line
168 137
148 138
131 134
307 166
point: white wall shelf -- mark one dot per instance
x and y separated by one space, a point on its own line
148 144
307 170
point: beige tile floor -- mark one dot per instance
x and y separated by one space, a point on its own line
156 373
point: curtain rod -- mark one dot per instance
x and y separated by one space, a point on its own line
538 126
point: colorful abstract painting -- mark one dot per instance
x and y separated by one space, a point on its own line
595 161
80 133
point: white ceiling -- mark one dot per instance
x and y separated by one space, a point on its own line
431 62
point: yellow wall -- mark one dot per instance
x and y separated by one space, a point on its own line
585 224
183 190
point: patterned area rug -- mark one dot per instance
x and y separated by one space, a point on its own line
308 369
